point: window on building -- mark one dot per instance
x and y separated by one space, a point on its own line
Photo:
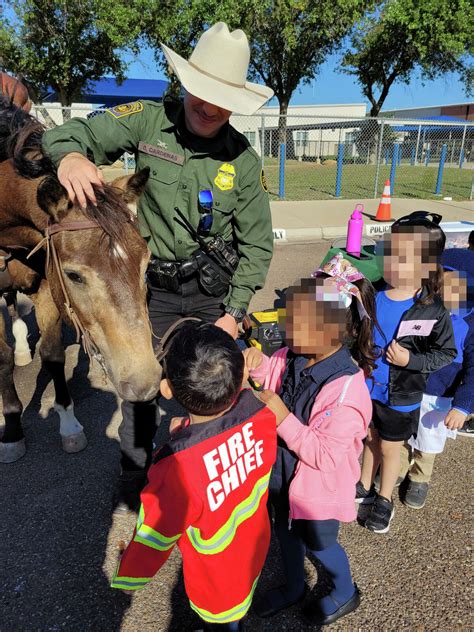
302 138
251 137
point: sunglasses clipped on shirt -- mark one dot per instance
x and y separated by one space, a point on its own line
205 200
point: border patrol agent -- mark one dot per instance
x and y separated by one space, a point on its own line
190 149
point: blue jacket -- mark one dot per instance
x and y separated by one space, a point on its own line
457 379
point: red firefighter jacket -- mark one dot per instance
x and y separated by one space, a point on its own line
207 493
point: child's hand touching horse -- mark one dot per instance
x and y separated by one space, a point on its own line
253 358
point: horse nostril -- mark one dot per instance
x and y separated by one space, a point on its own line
137 394
126 392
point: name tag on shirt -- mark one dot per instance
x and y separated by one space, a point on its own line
416 328
159 152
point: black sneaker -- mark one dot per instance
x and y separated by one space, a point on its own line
468 429
127 495
364 497
380 515
315 616
415 495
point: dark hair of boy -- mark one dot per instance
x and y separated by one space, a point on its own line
205 368
471 240
419 221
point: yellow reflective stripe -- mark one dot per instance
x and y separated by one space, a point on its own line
129 583
235 613
149 537
242 512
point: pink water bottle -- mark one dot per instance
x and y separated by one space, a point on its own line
355 227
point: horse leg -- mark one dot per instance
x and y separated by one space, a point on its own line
53 358
12 443
22 354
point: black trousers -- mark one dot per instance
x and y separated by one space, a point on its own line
140 420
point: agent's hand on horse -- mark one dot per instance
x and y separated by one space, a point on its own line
77 174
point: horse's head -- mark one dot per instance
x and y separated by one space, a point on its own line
103 272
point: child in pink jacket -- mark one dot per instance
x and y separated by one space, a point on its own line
318 393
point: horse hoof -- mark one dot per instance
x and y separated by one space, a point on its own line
11 452
74 443
22 358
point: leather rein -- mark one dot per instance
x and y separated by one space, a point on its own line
82 333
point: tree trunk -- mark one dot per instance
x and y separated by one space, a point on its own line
66 103
282 122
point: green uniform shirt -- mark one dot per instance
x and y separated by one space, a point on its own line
181 165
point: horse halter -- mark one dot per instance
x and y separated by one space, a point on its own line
52 256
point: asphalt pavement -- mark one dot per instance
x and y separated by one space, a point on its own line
58 540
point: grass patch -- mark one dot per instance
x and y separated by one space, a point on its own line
309 181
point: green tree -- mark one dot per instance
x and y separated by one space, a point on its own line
433 37
64 44
289 39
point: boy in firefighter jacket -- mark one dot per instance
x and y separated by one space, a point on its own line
207 489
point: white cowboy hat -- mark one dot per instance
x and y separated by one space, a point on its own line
217 71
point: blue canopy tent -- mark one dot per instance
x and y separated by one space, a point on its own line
106 92
413 127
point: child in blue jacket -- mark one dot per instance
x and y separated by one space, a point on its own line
449 393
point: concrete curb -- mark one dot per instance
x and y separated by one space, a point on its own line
317 233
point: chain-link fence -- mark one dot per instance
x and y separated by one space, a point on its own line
312 157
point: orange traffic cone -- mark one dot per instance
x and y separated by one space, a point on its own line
384 212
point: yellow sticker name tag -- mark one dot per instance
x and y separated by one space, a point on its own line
125 109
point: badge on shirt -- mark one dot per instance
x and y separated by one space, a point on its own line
225 177
263 181
125 109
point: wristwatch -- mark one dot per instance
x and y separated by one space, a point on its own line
238 313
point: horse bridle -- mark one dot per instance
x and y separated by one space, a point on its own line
82 333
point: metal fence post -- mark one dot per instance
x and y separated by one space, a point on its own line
439 181
262 141
427 158
393 170
340 159
461 151
281 186
417 145
379 158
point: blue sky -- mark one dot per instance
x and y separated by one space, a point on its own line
331 86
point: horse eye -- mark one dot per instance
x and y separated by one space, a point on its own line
74 277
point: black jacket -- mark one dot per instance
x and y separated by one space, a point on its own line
432 348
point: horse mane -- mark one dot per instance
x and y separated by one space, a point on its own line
21 141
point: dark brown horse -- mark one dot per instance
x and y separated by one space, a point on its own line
84 266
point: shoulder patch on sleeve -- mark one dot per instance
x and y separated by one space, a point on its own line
125 109
263 181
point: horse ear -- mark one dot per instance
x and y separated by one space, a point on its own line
52 197
131 187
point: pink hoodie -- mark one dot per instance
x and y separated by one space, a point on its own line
328 448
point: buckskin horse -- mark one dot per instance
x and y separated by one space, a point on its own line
86 267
